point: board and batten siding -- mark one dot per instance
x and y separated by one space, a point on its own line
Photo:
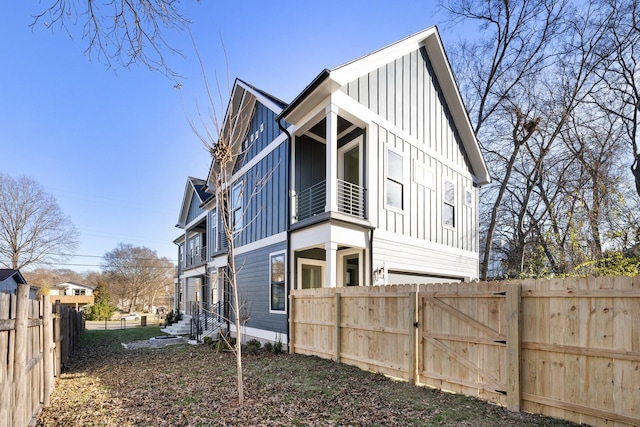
195 210
406 93
415 122
265 197
253 288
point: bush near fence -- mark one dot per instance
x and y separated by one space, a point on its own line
567 348
36 340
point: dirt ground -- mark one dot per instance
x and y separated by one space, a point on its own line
185 385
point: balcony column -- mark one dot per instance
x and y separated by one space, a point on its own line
331 261
332 158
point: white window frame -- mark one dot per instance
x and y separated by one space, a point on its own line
214 230
468 197
387 178
313 262
452 204
422 174
237 206
284 283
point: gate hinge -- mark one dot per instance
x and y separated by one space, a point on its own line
500 341
415 324
501 392
500 293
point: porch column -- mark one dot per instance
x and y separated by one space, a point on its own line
331 259
332 158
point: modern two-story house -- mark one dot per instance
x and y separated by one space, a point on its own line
369 176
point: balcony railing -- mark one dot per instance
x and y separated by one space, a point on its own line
351 198
312 201
197 258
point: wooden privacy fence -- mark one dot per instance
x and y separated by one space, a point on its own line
34 344
568 348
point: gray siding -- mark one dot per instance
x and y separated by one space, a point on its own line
265 197
194 208
253 288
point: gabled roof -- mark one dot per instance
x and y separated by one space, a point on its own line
65 285
7 273
239 113
330 81
195 187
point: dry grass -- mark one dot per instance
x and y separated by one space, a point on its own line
185 385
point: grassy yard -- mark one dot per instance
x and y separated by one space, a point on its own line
184 385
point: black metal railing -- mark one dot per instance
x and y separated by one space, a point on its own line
197 258
312 201
205 321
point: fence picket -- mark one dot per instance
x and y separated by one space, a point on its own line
510 343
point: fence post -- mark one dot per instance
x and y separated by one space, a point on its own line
337 337
292 324
413 338
56 338
513 329
20 356
47 350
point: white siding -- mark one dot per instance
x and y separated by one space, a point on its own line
406 96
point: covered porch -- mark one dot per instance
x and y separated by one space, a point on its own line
328 169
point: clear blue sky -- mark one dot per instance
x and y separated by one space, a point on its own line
115 148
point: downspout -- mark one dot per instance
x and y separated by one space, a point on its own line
288 213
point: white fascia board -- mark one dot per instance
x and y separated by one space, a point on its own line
318 235
258 244
184 208
262 99
311 101
196 220
447 81
350 71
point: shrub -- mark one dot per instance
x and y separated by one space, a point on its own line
268 347
252 347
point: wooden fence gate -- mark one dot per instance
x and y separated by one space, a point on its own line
463 342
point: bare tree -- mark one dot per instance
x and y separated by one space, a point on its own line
136 274
535 64
33 229
223 140
120 33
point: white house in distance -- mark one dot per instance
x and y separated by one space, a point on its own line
70 293
373 176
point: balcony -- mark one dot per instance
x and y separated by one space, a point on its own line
312 201
197 258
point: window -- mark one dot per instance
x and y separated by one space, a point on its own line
214 230
236 207
395 188
277 288
422 175
449 206
79 292
468 197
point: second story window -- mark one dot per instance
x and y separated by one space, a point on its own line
236 207
214 230
449 204
395 186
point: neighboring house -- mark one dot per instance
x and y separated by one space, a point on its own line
373 175
10 279
70 293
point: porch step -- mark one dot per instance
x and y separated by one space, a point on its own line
183 327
